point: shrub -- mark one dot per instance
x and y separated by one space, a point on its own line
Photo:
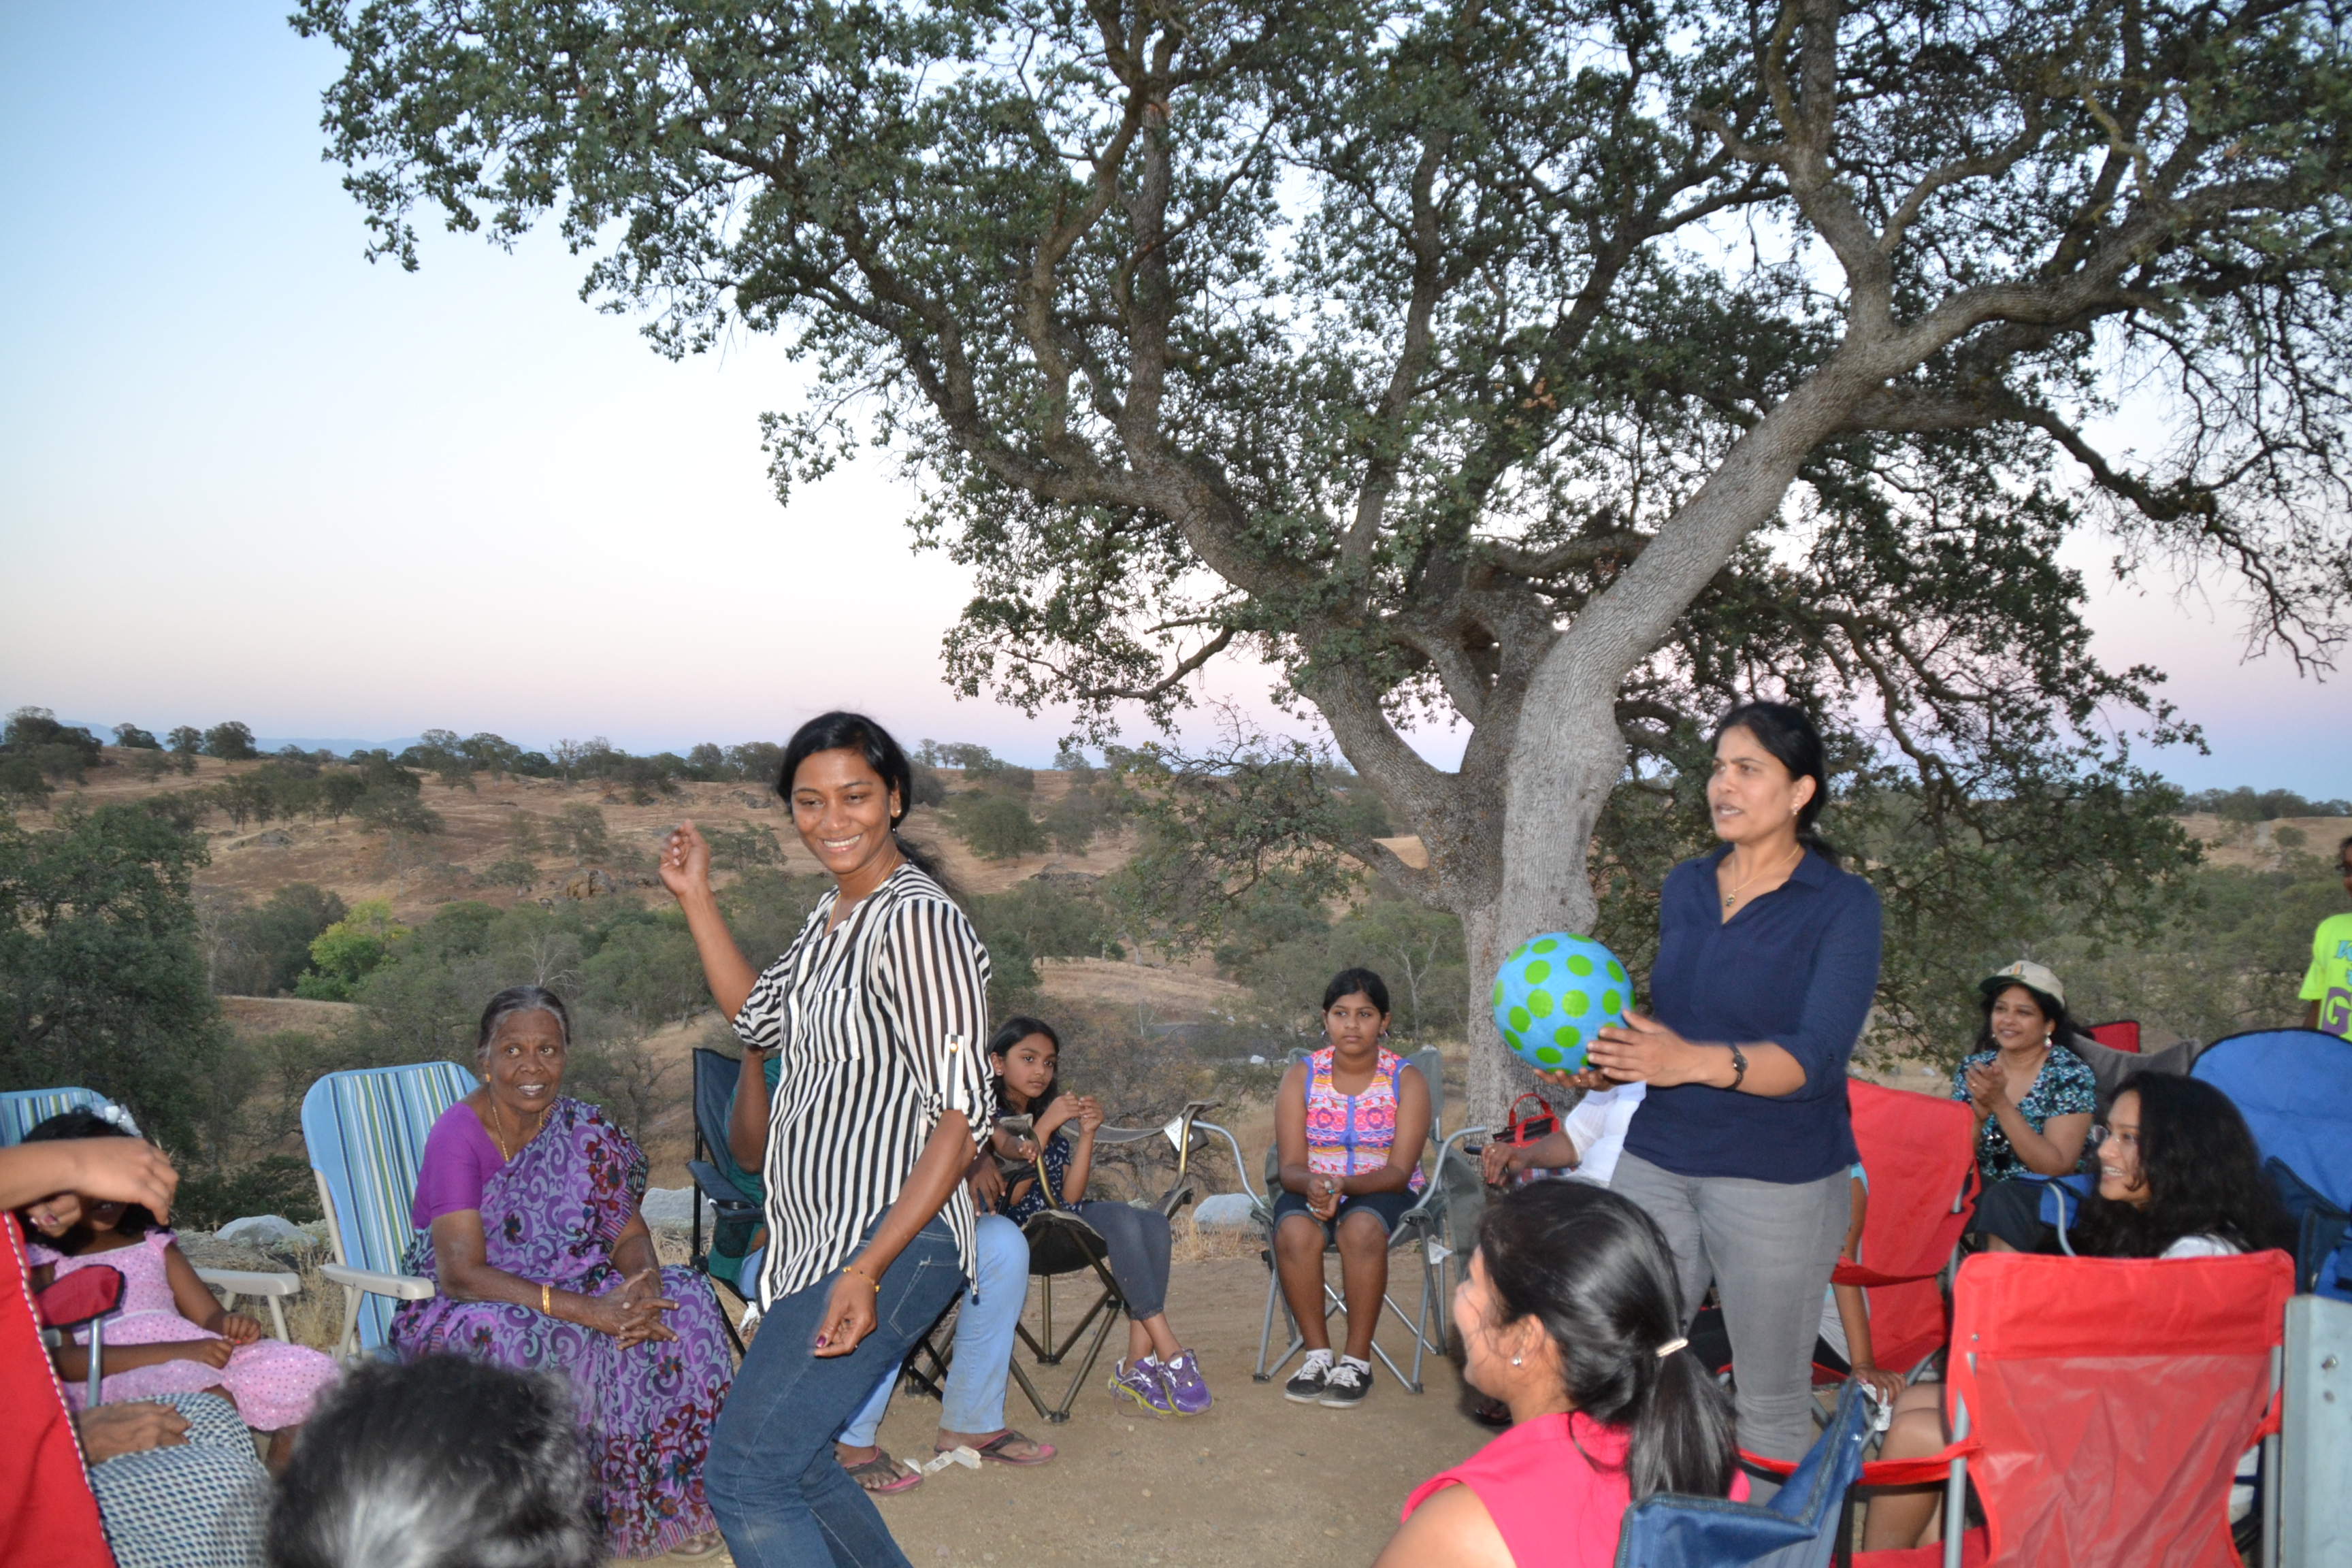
998 827
231 742
349 951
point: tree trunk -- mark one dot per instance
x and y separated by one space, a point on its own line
1566 757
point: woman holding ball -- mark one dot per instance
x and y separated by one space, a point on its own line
1768 959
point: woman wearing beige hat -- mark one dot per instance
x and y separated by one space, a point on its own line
2033 1099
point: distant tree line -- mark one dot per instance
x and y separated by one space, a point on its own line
2244 805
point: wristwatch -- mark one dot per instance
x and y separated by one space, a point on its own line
1739 1069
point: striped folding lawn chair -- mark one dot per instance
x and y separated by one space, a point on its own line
365 1130
23 1109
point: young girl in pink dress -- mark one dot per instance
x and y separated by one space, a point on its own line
170 1335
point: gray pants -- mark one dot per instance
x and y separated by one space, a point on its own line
1137 1241
1768 1246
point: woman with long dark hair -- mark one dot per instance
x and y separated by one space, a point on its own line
1570 1315
1742 1151
876 1015
2178 1177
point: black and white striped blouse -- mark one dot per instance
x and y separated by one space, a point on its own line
881 1023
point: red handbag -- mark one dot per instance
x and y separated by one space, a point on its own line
1538 1123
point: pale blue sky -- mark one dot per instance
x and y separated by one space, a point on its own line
243 473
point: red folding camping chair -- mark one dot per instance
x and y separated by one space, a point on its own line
2123 1035
1920 1154
2100 1406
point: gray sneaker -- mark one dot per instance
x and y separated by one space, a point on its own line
1142 1381
1346 1386
1305 1385
1188 1391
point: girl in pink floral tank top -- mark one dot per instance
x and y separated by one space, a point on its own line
1346 1134
1349 1169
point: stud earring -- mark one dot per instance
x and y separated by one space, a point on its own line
1515 1361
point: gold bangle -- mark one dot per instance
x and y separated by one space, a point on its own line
546 1301
853 1269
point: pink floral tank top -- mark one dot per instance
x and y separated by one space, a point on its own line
1346 1134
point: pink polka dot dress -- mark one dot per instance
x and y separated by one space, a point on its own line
273 1383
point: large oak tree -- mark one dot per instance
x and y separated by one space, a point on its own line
1555 368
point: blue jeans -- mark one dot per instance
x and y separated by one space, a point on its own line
973 1398
781 1499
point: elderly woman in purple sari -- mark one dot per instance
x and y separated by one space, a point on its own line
527 1214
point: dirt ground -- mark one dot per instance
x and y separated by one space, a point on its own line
1256 1480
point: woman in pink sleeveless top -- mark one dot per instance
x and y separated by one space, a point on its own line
1350 1122
1570 1315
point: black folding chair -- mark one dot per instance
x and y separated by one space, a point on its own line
1061 1244
734 1193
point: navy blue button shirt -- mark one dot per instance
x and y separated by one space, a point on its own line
1797 968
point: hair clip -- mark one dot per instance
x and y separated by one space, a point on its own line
1670 1346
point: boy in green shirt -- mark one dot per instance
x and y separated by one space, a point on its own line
2328 985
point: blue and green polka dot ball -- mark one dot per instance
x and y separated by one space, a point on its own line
1553 993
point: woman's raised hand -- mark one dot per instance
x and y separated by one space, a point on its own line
684 865
1988 1088
123 1171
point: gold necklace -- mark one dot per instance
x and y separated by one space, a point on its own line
1728 897
504 1153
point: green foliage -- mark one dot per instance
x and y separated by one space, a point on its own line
231 742
1287 952
997 827
23 782
930 789
766 909
394 811
1031 920
644 969
187 740
150 764
2243 805
210 1196
349 951
742 848
341 791
101 981
578 830
512 873
36 752
2228 955
262 950
1075 819
132 738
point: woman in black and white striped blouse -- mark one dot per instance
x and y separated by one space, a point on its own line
876 1014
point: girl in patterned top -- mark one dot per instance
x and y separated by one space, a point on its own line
1349 1121
1157 1373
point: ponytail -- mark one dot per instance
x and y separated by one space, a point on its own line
1597 1273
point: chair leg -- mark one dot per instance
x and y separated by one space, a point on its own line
1266 1334
1045 1412
1086 1369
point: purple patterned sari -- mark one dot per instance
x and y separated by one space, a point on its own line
646 1412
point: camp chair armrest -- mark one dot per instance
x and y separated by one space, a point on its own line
252 1282
1240 1166
1433 1187
1125 1134
401 1287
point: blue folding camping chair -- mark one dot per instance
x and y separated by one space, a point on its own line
21 1111
1799 1527
2293 1087
365 1130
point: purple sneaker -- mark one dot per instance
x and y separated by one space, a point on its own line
1188 1391
1142 1382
